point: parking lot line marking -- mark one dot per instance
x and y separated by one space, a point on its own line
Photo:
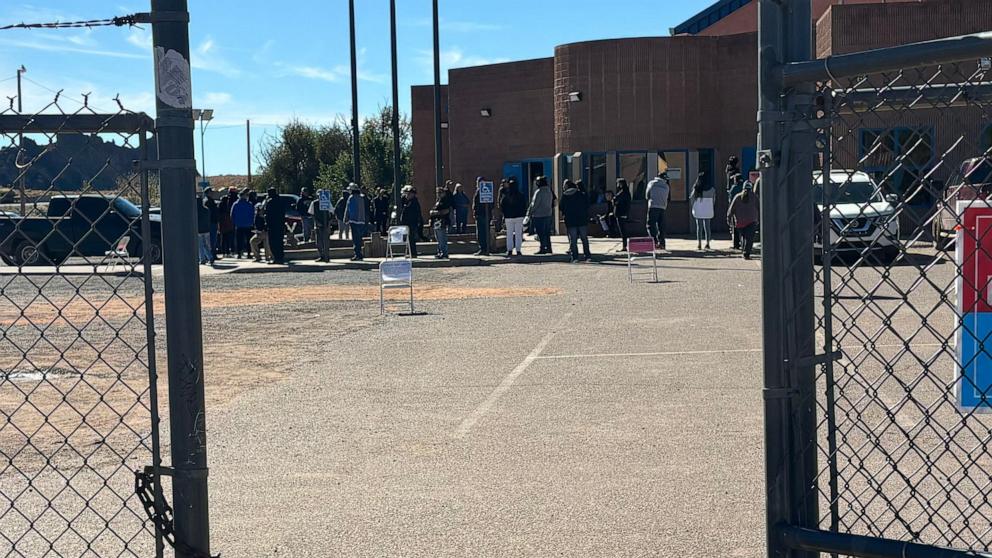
504 386
666 353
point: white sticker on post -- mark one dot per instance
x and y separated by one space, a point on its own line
172 79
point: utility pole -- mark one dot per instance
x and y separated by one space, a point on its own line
184 327
20 144
356 139
438 145
248 129
397 163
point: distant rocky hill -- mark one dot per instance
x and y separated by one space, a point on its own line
73 161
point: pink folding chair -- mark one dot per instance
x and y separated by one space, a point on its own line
641 248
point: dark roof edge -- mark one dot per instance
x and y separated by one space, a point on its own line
708 17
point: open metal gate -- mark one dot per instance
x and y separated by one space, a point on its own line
78 381
876 199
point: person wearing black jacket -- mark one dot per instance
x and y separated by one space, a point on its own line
621 209
513 204
211 204
381 211
411 216
303 208
275 220
575 207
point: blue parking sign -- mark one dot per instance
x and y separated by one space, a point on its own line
324 199
486 192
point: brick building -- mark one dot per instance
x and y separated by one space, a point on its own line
626 107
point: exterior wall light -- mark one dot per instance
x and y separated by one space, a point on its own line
486 112
575 96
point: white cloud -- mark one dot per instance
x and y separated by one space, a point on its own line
216 98
141 38
454 26
453 57
67 47
208 57
341 72
313 72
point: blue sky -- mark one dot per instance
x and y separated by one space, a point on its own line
275 61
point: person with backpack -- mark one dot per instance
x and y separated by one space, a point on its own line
743 216
541 213
575 207
513 205
658 193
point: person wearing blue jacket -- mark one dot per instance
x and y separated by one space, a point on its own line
243 217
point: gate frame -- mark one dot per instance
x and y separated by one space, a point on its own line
789 118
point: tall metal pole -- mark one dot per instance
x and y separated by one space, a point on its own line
203 151
184 328
20 145
438 145
248 129
785 35
397 163
355 137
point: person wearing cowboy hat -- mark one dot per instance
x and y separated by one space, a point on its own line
356 217
411 216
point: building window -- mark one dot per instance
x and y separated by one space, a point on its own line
899 157
594 172
634 167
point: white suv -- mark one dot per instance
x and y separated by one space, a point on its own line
860 217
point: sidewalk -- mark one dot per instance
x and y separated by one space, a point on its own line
603 249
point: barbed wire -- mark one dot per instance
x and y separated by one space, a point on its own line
119 21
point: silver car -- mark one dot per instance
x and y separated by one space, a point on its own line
861 218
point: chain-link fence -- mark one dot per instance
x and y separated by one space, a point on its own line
77 359
877 194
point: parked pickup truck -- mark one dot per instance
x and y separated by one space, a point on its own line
90 225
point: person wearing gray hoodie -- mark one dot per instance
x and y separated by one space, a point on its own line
659 191
541 212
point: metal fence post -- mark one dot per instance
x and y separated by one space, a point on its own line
786 158
170 32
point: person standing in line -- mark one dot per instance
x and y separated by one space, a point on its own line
541 213
736 187
441 220
482 213
211 204
462 204
658 193
703 209
275 221
303 208
411 216
621 210
322 230
356 217
513 205
339 209
243 217
731 171
203 233
261 238
226 223
575 207
743 217
382 211
497 216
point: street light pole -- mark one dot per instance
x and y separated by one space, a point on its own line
204 116
396 107
356 140
438 146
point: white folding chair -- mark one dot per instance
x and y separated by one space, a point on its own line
119 254
395 274
398 238
641 248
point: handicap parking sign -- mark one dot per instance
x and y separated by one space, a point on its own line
974 286
324 198
486 192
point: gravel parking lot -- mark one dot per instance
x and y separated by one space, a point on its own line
532 410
